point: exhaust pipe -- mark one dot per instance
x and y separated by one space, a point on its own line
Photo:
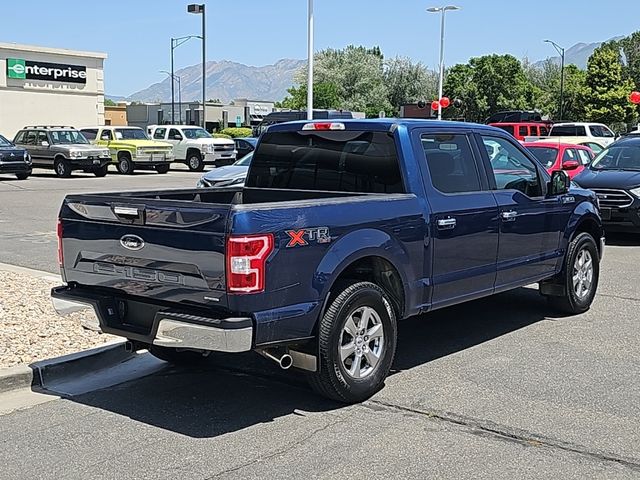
284 360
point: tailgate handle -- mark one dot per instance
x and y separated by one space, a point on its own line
133 215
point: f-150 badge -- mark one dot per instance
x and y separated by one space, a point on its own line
302 238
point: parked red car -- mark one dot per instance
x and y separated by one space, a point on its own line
520 130
561 156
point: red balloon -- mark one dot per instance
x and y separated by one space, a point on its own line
445 102
434 105
635 97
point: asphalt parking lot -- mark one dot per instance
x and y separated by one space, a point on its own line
499 388
29 208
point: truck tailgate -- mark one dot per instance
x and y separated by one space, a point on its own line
169 251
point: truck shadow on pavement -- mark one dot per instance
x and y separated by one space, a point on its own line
623 239
234 392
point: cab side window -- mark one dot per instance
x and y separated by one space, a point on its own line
31 137
451 163
585 157
175 134
511 168
158 134
42 137
106 135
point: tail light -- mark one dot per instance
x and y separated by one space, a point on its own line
59 235
246 259
323 126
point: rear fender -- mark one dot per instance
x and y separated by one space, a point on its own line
355 246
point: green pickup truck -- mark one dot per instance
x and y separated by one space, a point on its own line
131 148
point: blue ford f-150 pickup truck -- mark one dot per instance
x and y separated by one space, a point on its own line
342 229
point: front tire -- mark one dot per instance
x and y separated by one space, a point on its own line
125 165
184 358
164 168
195 162
22 176
357 344
62 167
580 276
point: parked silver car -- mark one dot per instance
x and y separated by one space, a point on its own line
64 149
227 176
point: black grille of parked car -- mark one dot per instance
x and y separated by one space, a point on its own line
613 198
225 148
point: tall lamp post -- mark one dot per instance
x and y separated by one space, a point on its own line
199 9
310 61
175 78
560 50
175 43
442 11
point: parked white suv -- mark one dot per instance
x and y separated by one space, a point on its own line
595 132
195 146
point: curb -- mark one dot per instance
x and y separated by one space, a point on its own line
6 267
45 372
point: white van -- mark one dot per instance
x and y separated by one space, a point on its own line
594 132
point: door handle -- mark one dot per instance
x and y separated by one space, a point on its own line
447 223
509 216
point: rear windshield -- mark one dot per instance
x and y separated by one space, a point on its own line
345 161
545 155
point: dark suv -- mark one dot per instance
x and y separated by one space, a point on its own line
64 149
14 160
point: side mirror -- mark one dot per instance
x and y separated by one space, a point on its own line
177 137
44 144
559 184
570 165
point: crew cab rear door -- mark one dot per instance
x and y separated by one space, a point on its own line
464 222
530 222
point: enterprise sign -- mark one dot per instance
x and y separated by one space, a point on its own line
29 70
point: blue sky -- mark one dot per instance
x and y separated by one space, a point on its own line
135 33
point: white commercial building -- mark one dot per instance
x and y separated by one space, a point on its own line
49 86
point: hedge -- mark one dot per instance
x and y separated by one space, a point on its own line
221 135
237 132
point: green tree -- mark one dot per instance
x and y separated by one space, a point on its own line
607 88
407 82
325 95
487 85
109 103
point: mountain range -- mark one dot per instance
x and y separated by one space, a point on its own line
227 80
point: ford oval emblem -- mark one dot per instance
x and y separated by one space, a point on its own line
132 242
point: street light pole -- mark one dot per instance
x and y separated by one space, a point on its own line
310 62
442 11
560 50
175 78
200 9
175 43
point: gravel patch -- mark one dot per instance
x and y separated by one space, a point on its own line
31 330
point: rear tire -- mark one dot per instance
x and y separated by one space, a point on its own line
357 343
185 358
195 162
125 165
162 169
580 276
101 171
62 167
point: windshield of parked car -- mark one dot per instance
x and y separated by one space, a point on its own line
130 134
196 133
67 137
618 157
245 161
545 155
601 131
4 142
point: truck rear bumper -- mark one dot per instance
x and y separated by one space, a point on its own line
167 329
